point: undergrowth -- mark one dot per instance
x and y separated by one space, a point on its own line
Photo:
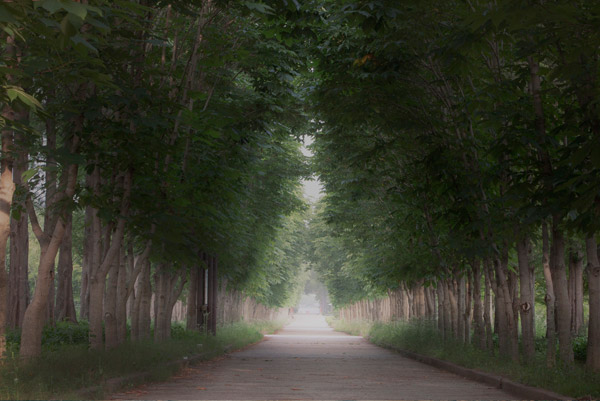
63 370
422 337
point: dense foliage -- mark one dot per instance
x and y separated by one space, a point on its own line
147 134
451 137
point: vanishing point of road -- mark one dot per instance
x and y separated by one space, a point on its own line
308 360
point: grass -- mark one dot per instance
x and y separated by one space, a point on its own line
353 327
62 371
423 338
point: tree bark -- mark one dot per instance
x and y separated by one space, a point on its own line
549 299
451 314
441 301
110 305
527 299
593 273
478 322
101 266
50 214
192 312
145 298
7 189
126 270
487 304
505 306
65 304
19 254
461 309
88 249
487 307
31 339
576 287
563 307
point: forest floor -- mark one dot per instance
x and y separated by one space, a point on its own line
309 360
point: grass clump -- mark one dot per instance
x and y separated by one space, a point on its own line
62 370
353 327
423 337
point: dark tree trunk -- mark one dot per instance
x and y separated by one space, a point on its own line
563 307
527 298
65 305
18 290
549 299
576 287
593 273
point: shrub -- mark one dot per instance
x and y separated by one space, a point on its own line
54 337
580 348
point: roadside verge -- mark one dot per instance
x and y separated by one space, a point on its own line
517 389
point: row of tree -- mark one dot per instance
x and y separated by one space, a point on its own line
458 145
137 136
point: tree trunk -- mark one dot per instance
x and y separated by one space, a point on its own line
593 273
576 287
144 320
461 309
88 249
192 312
430 301
441 300
487 307
31 339
7 189
110 305
126 268
19 254
563 307
468 309
549 299
65 304
160 304
527 299
478 321
101 265
175 289
448 322
508 335
50 214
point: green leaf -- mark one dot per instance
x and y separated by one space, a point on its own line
6 15
51 6
98 24
12 94
66 27
79 40
29 100
27 175
77 9
261 8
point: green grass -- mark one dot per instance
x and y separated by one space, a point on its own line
61 371
353 327
423 338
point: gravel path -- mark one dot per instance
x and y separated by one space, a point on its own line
308 360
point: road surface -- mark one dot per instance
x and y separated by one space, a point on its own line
307 360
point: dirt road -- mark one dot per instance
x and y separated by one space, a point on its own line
308 360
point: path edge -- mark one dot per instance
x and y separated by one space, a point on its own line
517 389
